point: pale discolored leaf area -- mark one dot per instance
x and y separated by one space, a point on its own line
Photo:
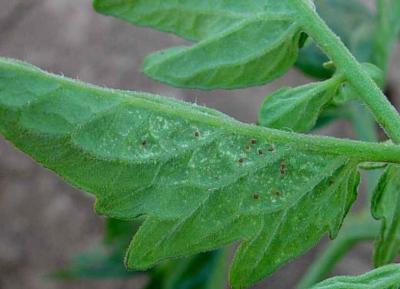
202 179
241 43
387 277
386 207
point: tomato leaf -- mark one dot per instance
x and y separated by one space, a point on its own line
297 109
386 207
201 179
241 43
387 277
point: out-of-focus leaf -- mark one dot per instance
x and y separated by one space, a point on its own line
387 30
386 207
387 277
355 25
241 43
203 271
105 260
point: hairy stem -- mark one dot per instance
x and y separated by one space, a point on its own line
385 114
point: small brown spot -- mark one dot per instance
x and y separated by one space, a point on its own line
196 133
276 194
283 168
256 196
260 152
330 181
253 141
144 143
271 148
241 160
247 148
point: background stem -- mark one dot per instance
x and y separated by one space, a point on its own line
358 229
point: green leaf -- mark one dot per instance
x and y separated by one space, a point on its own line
201 179
386 207
387 277
355 27
241 43
297 109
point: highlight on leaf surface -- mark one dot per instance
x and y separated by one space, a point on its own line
387 277
386 207
239 43
201 179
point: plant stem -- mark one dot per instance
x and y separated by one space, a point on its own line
384 113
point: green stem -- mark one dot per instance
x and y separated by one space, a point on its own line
385 114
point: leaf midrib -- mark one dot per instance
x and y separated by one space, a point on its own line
360 151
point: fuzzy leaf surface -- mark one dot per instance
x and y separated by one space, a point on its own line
201 179
386 207
241 43
387 277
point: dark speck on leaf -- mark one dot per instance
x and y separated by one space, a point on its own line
276 194
196 133
256 196
271 148
260 152
241 160
253 141
283 168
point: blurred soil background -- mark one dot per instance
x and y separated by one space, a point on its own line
44 221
